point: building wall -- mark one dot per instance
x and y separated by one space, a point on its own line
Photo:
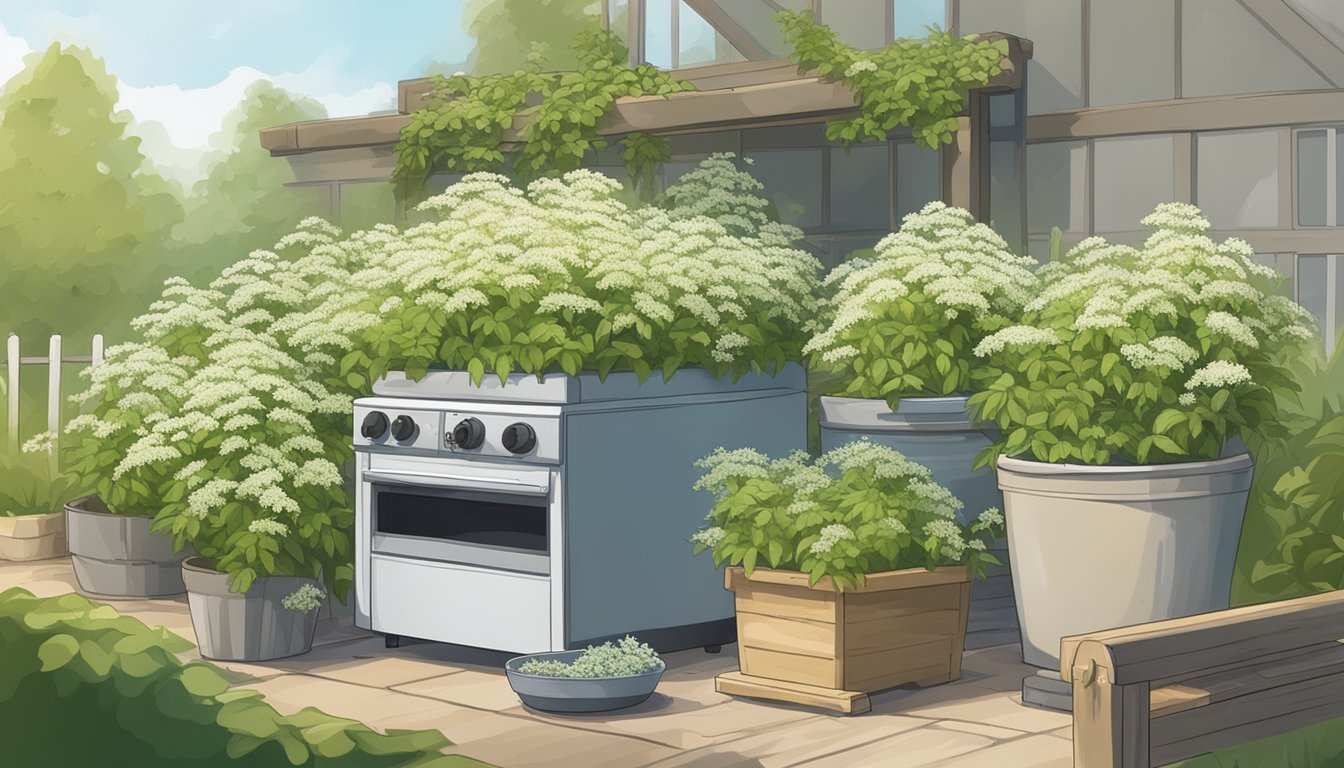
1276 184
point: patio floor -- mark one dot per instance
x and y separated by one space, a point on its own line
976 721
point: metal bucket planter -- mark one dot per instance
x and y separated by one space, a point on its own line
117 555
251 626
32 537
938 433
1102 547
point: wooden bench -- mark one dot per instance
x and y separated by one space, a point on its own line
1157 693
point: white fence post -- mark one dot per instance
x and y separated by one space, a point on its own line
12 365
54 400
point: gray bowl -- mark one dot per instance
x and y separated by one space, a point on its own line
579 694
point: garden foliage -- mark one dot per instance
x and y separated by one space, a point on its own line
904 321
623 658
134 703
1142 355
858 509
27 484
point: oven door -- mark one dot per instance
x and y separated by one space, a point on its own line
490 519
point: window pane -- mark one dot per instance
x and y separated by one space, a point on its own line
1055 29
1312 288
757 18
1132 177
912 16
1311 178
1005 192
699 43
1325 15
363 205
1056 178
1119 73
658 33
618 18
861 23
860 193
1238 178
1225 50
792 179
314 200
1339 174
919 178
1283 262
1339 297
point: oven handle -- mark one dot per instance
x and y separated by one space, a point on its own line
465 482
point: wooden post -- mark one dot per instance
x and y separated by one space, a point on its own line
1110 724
54 400
13 364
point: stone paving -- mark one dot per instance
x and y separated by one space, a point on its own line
976 721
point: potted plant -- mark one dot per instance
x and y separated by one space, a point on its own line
855 574
1121 398
896 342
596 679
32 525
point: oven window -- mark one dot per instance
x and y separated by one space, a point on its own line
495 521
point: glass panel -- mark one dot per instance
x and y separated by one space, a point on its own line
675 169
792 179
1002 110
1339 176
1237 181
1283 262
1312 177
757 19
618 18
1325 15
658 33
1056 178
699 43
500 521
861 23
919 178
860 192
912 16
785 137
1005 192
1056 32
314 199
1225 50
1131 177
1312 288
1119 71
1338 298
363 205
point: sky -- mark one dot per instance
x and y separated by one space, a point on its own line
183 64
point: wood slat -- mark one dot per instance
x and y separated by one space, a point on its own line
772 633
900 632
1187 645
1175 698
779 665
1247 680
910 578
863 670
772 600
922 677
873 606
846 702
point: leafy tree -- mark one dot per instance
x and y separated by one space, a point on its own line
510 33
242 203
83 218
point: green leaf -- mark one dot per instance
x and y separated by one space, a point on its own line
57 651
202 680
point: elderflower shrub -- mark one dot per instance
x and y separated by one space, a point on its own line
904 322
624 658
564 276
1143 355
858 509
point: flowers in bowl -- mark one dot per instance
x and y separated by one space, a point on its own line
858 509
904 322
626 657
1142 355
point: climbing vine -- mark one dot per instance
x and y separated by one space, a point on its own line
462 125
920 84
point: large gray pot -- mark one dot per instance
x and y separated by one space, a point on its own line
1102 547
252 626
117 555
938 433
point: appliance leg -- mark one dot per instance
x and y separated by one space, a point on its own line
391 641
715 648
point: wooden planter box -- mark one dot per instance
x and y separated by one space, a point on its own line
32 537
819 647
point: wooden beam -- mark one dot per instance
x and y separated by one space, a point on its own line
726 25
1305 40
1110 724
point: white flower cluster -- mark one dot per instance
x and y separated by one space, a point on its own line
269 527
305 599
709 537
830 536
862 65
945 258
42 442
1219 374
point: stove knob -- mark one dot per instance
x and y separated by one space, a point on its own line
468 434
403 428
374 426
519 438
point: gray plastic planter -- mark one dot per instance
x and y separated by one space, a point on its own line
252 626
579 694
117 555
1102 547
936 432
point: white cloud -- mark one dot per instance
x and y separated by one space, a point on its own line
12 51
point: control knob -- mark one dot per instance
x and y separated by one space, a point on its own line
403 428
374 426
519 438
468 434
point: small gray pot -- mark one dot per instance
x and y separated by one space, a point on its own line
252 626
118 556
579 694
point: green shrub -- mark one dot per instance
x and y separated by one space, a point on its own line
858 509
83 685
27 484
624 658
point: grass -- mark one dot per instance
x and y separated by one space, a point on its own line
1315 746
